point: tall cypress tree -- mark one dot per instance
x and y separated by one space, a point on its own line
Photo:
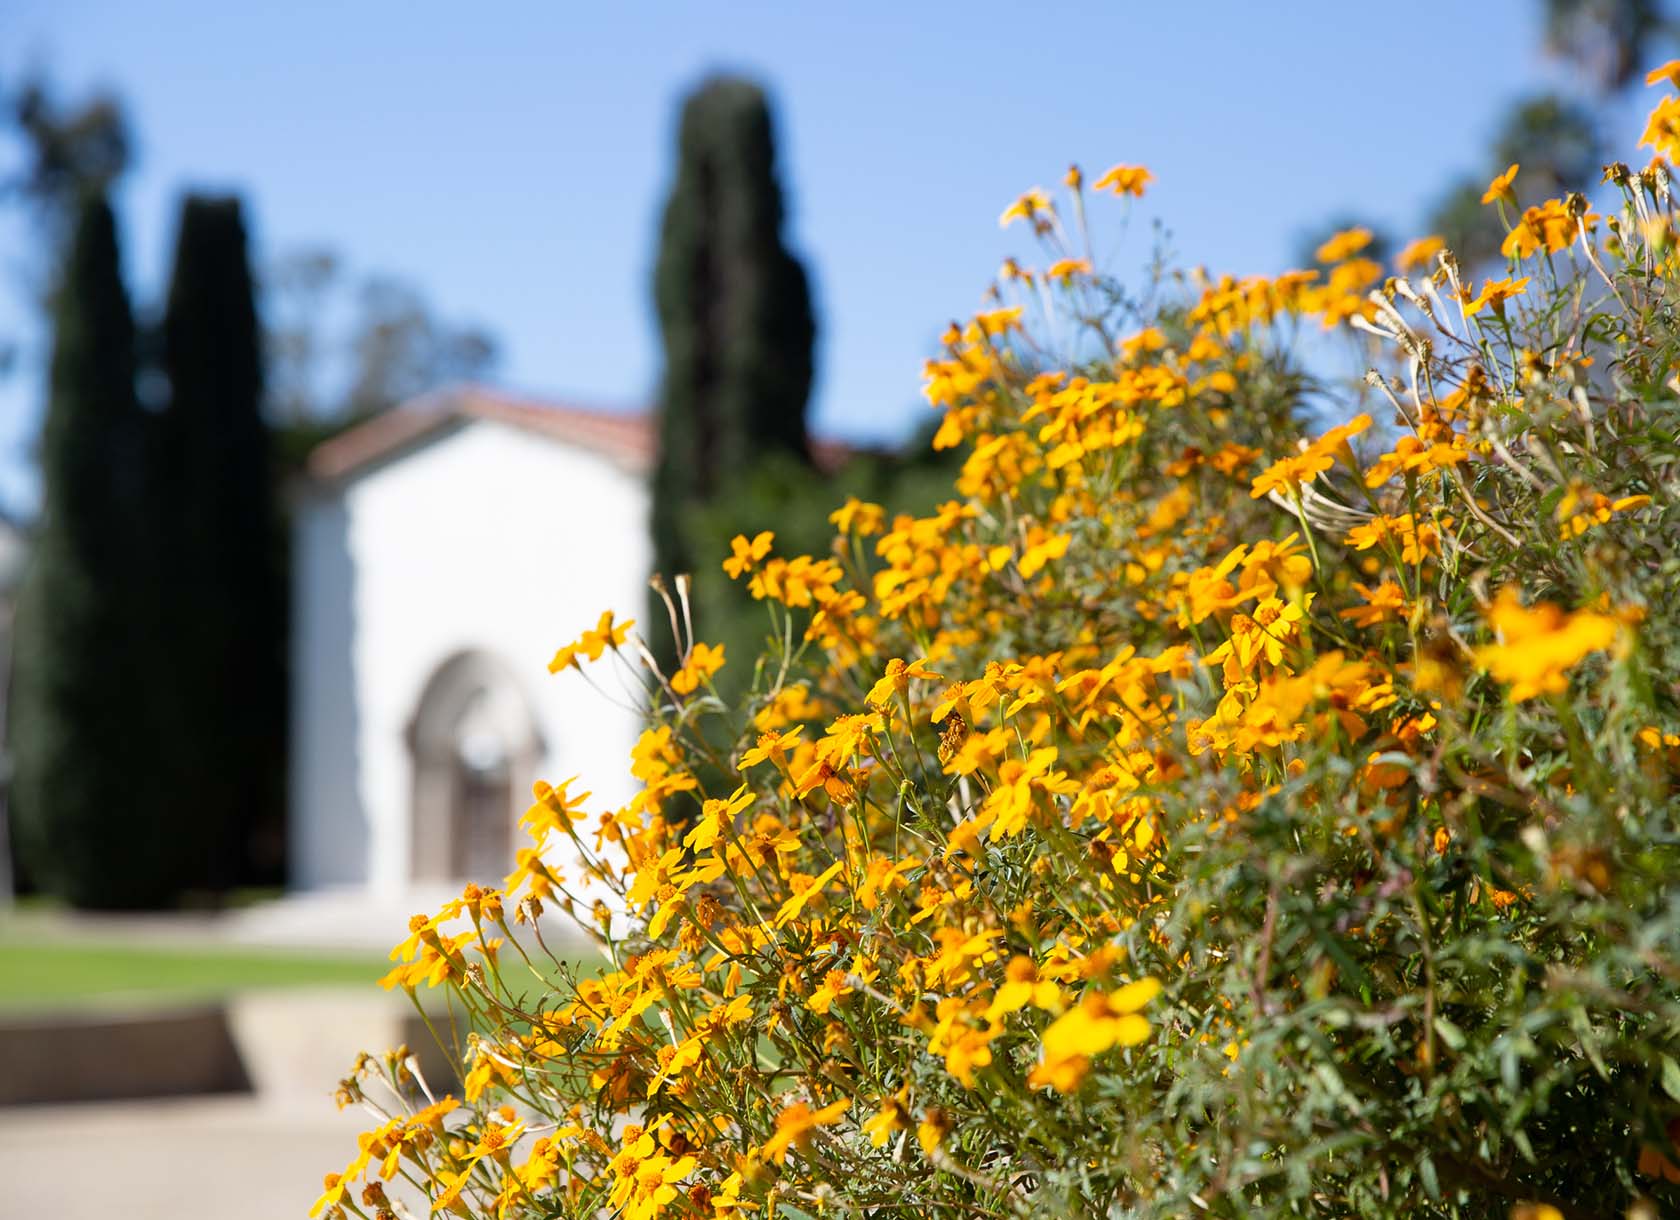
224 604
91 812
734 310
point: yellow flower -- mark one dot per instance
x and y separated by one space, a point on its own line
832 988
1287 474
422 929
1662 128
1538 646
846 736
486 1071
553 809
744 554
793 702
1581 509
714 815
1010 806
495 1142
592 644
1417 254
333 1194
964 1044
1495 293
1257 638
1549 227
795 1124
1669 72
936 1124
529 870
1023 986
1383 604
1028 207
1415 457
807 892
1500 187
897 680
858 517
564 658
651 1186
1096 1024
1343 245
654 875
1124 180
992 323
797 582
704 660
1333 441
1068 268
606 635
894 1115
772 747
1043 549
1417 541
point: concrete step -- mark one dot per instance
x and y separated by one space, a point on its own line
283 1045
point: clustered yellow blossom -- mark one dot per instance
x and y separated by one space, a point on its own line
912 900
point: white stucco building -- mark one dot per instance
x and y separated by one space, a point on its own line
442 551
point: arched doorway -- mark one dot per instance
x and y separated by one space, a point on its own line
475 748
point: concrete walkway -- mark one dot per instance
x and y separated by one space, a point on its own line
255 1156
198 1159
252 1155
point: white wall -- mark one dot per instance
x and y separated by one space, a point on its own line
488 538
327 821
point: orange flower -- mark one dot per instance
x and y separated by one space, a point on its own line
1662 128
1124 180
592 644
772 747
1343 245
1383 604
1029 207
1537 647
1067 268
1495 293
795 1125
1288 474
1548 227
1097 1023
897 680
744 554
1416 254
704 660
1669 72
1500 187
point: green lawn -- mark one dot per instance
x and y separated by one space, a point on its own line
51 972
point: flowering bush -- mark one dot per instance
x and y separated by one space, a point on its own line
1205 811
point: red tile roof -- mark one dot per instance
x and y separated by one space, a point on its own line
628 438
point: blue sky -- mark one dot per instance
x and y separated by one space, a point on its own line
513 160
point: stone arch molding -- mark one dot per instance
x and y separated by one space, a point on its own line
474 745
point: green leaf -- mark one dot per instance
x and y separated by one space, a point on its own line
1449 1033
1671 1077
